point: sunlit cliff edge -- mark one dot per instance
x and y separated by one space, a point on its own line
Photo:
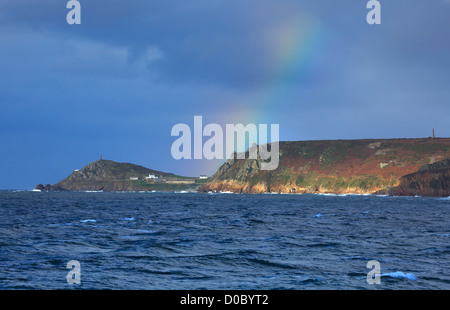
370 166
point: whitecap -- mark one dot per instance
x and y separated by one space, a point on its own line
221 192
399 274
332 195
317 215
128 219
88 221
36 190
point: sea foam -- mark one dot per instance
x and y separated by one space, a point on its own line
88 221
400 274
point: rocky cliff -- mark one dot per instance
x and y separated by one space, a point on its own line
337 166
430 180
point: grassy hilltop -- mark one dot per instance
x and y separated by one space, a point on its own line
108 175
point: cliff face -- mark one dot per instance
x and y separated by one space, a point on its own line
430 180
338 166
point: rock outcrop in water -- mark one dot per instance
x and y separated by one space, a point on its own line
430 180
338 166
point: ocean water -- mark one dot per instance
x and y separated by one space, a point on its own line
152 241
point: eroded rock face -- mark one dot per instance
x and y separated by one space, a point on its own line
442 164
426 183
431 180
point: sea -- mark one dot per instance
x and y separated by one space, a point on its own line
222 241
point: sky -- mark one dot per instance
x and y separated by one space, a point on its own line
118 82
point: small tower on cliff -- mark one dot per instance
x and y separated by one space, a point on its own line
101 155
433 134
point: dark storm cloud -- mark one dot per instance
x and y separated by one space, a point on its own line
223 42
215 42
118 82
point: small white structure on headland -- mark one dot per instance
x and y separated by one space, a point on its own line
151 176
134 178
203 177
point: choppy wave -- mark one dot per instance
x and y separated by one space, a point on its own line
344 195
153 222
269 263
88 221
220 192
223 241
400 274
332 195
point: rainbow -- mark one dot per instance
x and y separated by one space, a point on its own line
297 47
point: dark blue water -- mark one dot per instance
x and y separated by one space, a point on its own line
222 241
